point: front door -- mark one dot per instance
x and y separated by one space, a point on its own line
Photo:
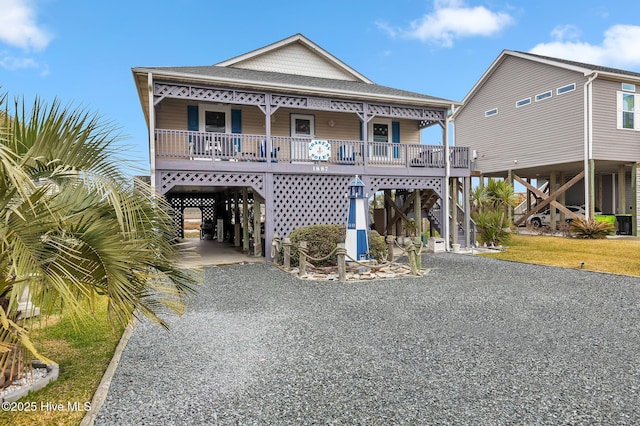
381 135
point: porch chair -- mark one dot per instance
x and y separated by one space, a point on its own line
263 152
346 155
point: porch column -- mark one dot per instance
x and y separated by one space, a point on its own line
622 195
552 210
510 208
454 210
592 188
466 189
257 215
563 197
236 219
634 201
269 221
152 133
245 220
388 210
417 210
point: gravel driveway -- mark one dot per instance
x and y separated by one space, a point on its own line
475 341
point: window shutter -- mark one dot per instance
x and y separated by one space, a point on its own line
192 118
236 127
395 137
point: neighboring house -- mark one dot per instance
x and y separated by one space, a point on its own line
557 121
271 139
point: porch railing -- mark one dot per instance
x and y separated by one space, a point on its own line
181 144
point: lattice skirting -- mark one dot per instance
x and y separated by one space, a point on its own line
169 179
301 200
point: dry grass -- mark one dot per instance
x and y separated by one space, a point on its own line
83 353
608 255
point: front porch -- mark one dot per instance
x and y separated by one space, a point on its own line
215 151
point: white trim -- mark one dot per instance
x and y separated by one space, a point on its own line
628 89
491 112
620 110
539 98
567 87
203 108
523 102
312 124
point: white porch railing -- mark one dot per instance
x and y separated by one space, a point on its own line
181 144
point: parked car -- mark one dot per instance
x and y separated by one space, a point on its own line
543 218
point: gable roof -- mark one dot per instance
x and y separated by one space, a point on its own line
581 67
309 57
248 71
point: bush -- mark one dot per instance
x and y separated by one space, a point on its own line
591 229
377 247
491 227
321 240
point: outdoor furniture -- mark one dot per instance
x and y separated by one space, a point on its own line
263 152
346 155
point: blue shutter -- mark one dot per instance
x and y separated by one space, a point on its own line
192 118
395 138
236 127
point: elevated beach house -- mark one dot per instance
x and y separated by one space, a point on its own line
572 127
268 141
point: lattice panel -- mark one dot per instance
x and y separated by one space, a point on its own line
211 94
347 106
379 183
301 200
169 179
289 101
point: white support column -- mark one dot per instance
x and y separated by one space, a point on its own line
245 220
152 132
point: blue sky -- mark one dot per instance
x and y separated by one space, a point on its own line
82 52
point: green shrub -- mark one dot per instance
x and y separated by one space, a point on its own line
321 240
491 227
591 229
377 247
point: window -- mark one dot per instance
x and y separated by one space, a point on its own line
215 119
628 111
628 87
302 126
491 112
523 102
564 89
542 96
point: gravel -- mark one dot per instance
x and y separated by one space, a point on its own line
475 341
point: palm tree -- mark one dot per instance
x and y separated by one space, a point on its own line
73 227
491 204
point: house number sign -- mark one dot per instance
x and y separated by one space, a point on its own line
319 150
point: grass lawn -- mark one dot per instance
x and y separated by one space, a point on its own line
83 353
616 255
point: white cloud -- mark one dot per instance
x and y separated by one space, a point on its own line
618 48
18 27
451 20
566 32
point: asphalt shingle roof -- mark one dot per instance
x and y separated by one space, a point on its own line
312 83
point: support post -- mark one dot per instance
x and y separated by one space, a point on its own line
454 211
302 258
390 242
622 195
286 249
417 212
552 210
245 220
634 201
236 219
563 197
342 264
257 231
